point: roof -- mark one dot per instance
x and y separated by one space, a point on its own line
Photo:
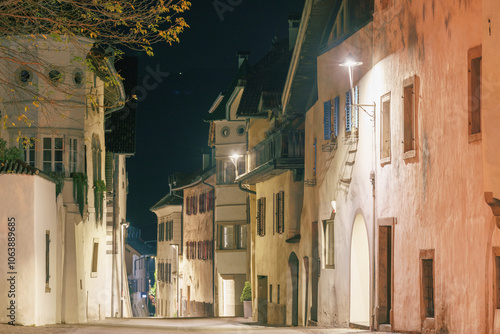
194 178
219 113
21 167
266 81
303 79
120 125
141 247
169 199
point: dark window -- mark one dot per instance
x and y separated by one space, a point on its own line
47 261
261 216
475 60
428 286
280 212
95 254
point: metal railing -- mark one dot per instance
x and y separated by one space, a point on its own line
281 145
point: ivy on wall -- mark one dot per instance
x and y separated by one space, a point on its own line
80 190
99 189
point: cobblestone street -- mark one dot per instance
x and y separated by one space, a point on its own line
156 325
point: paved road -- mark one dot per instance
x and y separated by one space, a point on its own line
157 325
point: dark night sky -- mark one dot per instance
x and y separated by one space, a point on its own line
171 134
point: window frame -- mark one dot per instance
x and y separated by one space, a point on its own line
410 117
474 55
385 129
53 163
261 216
427 255
47 261
329 244
236 242
28 146
94 264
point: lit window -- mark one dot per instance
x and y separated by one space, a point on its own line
242 236
232 236
53 154
227 237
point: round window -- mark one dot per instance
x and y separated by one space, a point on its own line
225 131
240 130
55 76
24 76
78 78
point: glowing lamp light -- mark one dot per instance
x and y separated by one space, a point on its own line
350 61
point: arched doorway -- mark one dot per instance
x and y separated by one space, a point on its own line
360 274
293 264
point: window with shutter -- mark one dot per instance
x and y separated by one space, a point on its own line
355 110
348 111
327 109
261 216
336 117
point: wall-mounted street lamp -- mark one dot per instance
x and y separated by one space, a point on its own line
351 62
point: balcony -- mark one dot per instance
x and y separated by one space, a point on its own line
282 151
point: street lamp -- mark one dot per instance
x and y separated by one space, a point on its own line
234 159
126 225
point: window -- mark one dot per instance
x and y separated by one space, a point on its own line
47 261
355 109
95 254
96 157
385 129
27 145
53 154
278 296
242 236
24 76
474 85
497 281
427 283
73 155
227 237
160 232
270 293
240 130
327 110
261 216
329 233
340 25
78 78
336 117
348 115
410 94
225 131
232 236
279 211
56 76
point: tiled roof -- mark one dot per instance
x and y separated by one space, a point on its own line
170 199
141 247
21 167
219 113
198 176
120 125
266 81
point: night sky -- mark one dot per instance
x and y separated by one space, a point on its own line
171 134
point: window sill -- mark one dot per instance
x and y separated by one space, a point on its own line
409 154
385 161
475 137
231 250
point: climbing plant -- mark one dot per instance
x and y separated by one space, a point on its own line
99 189
80 190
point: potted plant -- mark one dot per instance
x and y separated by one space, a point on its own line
246 299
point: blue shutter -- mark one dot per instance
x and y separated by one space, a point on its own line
326 120
355 116
336 117
348 111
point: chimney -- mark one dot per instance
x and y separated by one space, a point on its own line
293 28
242 55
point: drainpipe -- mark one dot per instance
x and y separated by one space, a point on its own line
245 189
213 249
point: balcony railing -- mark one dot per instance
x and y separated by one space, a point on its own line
280 146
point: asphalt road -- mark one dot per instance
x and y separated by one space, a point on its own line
184 325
